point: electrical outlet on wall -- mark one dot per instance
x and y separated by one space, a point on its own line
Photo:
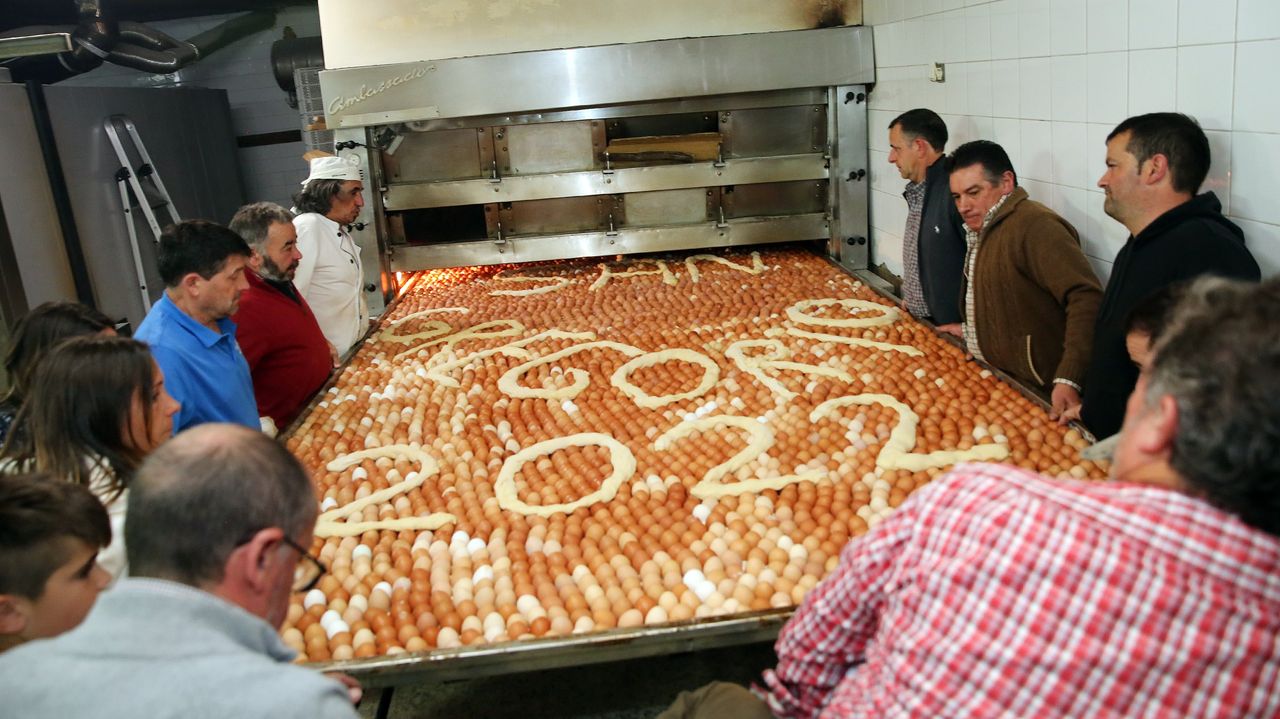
938 73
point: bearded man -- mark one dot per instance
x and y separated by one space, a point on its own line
289 357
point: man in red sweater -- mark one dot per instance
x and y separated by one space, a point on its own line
288 355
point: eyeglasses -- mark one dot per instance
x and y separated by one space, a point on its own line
308 572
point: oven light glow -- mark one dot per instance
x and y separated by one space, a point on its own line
404 287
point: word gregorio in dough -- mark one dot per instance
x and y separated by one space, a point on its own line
433 329
668 277
691 264
557 283
496 329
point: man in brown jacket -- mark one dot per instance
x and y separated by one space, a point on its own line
1029 296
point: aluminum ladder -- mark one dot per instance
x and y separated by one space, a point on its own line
148 198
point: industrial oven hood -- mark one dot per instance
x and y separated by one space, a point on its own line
591 76
611 149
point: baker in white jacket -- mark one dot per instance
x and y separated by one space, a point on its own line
329 274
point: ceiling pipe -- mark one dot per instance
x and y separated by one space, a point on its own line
291 53
97 38
92 39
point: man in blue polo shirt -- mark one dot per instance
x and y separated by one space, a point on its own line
202 265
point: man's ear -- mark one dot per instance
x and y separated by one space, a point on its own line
191 282
1155 169
1159 427
13 614
251 563
1007 182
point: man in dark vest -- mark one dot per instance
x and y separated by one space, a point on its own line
933 241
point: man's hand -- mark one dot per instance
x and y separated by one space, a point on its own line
269 427
333 355
1065 402
955 328
354 691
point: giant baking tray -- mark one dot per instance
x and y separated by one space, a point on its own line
481 660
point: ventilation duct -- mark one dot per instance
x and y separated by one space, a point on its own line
98 37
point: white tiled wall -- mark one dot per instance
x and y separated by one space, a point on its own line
1048 79
243 69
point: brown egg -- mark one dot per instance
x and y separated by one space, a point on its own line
540 626
386 635
365 651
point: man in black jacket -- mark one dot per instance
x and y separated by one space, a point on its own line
1155 165
933 242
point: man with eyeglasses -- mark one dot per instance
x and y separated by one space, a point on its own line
219 521
330 275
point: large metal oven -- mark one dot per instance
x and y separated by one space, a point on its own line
609 150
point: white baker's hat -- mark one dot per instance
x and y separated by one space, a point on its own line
329 167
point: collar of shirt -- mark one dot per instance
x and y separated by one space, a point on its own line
973 238
250 631
986 219
206 336
351 250
337 228
914 191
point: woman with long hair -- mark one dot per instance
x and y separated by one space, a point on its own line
96 408
33 336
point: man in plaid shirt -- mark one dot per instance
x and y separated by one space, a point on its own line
998 592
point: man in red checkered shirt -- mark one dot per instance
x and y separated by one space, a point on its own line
998 592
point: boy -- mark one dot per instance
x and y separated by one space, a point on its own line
1147 322
50 534
1143 327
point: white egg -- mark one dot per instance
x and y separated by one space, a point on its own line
337 627
328 618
